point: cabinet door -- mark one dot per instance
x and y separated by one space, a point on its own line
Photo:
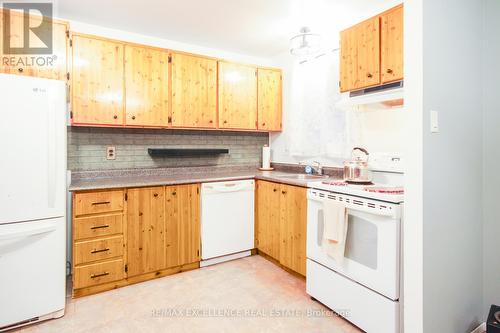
237 96
145 230
268 218
48 66
293 224
269 99
348 60
194 91
97 81
182 224
368 54
146 86
392 45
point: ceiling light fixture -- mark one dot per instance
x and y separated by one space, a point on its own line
305 43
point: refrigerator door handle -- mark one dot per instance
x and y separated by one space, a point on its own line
28 233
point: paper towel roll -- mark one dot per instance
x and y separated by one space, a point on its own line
266 157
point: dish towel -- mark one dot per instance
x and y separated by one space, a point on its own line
335 230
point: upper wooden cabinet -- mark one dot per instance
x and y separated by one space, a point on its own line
97 81
237 96
146 86
48 66
194 91
371 52
269 99
392 45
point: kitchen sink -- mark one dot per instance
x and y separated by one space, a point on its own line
301 176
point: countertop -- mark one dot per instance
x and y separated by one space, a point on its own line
96 180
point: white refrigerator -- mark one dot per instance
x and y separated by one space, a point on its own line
32 199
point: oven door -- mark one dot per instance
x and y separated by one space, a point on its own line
372 251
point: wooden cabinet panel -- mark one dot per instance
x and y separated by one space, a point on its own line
98 202
348 60
146 86
237 96
269 99
293 226
98 273
194 91
268 218
97 81
392 45
98 249
96 226
368 54
182 224
145 230
49 66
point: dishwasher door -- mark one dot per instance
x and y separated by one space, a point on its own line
227 218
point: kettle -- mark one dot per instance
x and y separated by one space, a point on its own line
356 170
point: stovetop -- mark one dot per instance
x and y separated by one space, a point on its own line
378 191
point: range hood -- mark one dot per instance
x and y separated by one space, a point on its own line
386 96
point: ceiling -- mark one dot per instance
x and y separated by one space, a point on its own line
259 28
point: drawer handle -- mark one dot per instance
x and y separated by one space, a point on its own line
174 193
283 192
101 203
98 251
93 276
100 227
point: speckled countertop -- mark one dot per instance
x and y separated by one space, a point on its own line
107 179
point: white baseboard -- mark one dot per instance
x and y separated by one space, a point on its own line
480 329
218 260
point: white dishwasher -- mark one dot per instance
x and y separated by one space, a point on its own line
227 220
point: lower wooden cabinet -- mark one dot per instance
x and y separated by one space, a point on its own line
133 235
282 223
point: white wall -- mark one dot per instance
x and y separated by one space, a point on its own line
491 160
452 166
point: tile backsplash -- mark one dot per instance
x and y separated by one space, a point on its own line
87 147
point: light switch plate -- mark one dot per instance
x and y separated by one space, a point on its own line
434 121
111 153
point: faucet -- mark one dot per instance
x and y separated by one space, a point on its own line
318 168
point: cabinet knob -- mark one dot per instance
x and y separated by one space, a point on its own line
225 121
115 116
369 75
263 124
389 71
133 117
283 192
169 120
211 121
20 69
155 195
274 190
174 193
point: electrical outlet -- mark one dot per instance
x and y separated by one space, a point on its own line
111 153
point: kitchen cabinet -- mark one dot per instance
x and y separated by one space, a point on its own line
97 81
267 229
293 225
194 91
392 45
145 230
182 226
98 239
371 52
360 55
146 86
281 224
48 66
269 99
237 96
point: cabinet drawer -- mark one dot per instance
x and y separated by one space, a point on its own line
98 202
94 274
92 250
86 227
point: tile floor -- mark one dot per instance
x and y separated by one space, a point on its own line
255 295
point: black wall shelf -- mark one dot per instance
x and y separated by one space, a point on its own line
179 152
